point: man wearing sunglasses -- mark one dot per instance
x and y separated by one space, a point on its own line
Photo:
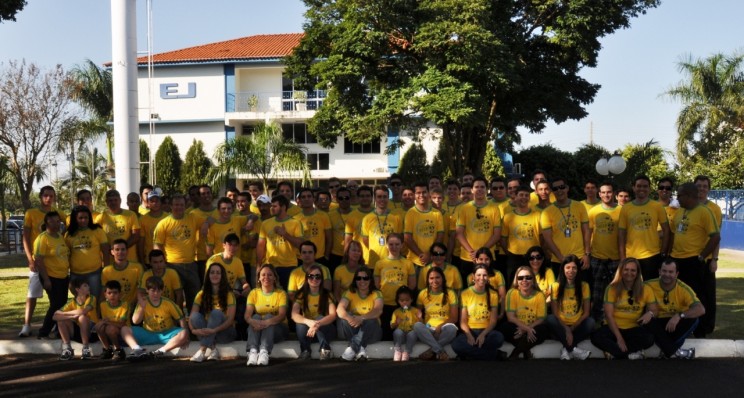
565 228
679 310
396 187
603 220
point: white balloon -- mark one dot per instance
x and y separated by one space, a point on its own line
602 167
616 164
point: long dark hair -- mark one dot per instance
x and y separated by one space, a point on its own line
304 293
543 264
563 281
224 289
488 283
489 269
444 283
353 287
74 227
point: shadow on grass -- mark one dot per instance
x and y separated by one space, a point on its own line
730 309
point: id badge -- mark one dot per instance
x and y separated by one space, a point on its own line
381 241
567 232
680 227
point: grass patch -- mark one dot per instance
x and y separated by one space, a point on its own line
730 309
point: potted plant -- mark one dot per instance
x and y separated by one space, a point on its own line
253 103
300 98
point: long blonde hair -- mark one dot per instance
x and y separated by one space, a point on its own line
617 281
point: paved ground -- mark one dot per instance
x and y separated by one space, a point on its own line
42 376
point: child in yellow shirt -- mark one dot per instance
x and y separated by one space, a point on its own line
404 317
79 312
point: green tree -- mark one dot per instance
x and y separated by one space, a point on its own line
168 166
492 166
262 154
441 163
91 173
196 167
555 162
585 163
144 151
94 91
472 67
34 107
710 124
648 159
413 167
9 9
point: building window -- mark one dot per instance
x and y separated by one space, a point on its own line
247 129
318 161
369 147
297 132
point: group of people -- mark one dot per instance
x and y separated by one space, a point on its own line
428 262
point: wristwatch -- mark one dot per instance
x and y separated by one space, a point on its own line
681 315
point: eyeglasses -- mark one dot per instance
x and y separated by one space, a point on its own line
498 188
343 197
438 254
666 298
630 297
665 187
538 257
560 187
362 278
316 277
524 278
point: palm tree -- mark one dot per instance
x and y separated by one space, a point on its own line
262 154
713 106
91 173
93 90
75 134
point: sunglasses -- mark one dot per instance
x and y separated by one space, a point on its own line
438 254
524 278
665 188
630 297
362 278
343 197
498 188
538 257
316 277
560 187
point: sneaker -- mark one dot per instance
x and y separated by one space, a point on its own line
157 354
634 356
682 353
87 353
252 358
348 354
405 357
443 356
138 354
304 355
107 353
427 355
25 331
397 354
361 355
565 356
214 355
325 354
198 356
67 354
608 356
263 358
119 354
579 353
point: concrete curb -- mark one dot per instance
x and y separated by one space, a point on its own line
705 348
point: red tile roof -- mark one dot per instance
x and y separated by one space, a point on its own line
244 48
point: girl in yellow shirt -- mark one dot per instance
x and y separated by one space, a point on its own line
89 249
266 314
314 312
359 312
213 314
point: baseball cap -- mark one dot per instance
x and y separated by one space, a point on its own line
155 193
263 199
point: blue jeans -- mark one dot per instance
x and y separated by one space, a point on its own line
580 332
408 338
216 318
426 336
488 351
93 279
369 332
323 335
265 339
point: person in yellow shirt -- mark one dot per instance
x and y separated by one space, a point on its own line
79 313
128 273
353 228
564 226
520 230
629 306
708 320
266 314
359 312
217 229
205 211
423 226
484 256
438 252
537 198
284 188
212 316
343 276
377 225
121 224
605 257
52 262
591 189
148 221
144 192
544 275
316 225
526 311
450 208
279 240
113 323
391 273
172 287
89 249
402 321
440 308
297 277
478 225
314 312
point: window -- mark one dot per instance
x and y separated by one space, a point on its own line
248 129
369 147
318 161
297 132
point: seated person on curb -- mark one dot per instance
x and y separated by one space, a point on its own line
266 315
78 313
113 323
158 316
439 305
359 314
679 312
526 311
314 312
213 314
404 317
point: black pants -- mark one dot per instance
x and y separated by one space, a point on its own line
636 339
669 342
57 299
650 266
697 275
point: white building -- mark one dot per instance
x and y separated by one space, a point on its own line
217 91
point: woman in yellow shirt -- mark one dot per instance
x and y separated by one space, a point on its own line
52 261
314 312
343 275
89 249
213 314
359 312
525 313
439 305
544 275
266 314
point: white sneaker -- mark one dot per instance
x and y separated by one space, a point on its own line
198 356
263 358
361 355
252 358
634 356
214 355
397 354
325 354
682 353
25 331
565 356
348 354
580 354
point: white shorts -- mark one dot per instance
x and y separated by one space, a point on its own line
35 289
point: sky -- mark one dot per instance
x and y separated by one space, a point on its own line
636 65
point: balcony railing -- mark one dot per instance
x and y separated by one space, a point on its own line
275 101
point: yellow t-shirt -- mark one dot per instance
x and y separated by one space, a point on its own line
33 219
569 310
234 269
423 227
435 312
546 283
121 226
297 277
148 223
85 250
293 210
393 273
177 236
313 303
641 223
314 226
451 275
522 231
496 280
215 301
359 305
405 318
248 255
217 232
534 199
338 225
354 225
280 252
171 282
450 212
343 276
692 229
267 303
55 253
479 223
376 227
589 206
565 223
201 243
119 313
677 300
527 309
603 224
478 306
89 304
627 314
161 317
129 278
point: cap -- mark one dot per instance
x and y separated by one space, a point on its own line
263 199
155 193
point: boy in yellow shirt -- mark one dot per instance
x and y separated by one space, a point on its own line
78 313
114 321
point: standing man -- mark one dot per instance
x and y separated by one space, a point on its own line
511 188
396 187
316 225
121 223
544 193
422 227
622 196
665 188
333 186
435 182
148 222
537 176
708 321
285 189
450 209
605 257
565 228
201 214
133 203
339 218
639 222
520 230
478 225
590 190
352 186
352 218
226 224
466 192
279 239
144 192
255 189
377 225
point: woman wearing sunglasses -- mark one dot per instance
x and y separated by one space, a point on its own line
526 311
343 276
438 252
314 311
629 306
544 276
438 302
359 312
570 321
